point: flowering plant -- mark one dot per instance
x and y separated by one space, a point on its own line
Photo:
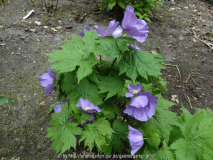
110 93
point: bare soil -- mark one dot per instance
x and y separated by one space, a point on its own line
180 32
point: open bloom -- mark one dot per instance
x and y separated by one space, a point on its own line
87 107
57 108
136 139
112 29
47 80
142 107
86 28
133 90
136 28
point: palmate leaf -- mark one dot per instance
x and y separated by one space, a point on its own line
96 133
162 120
112 48
120 133
152 135
197 140
76 52
110 110
142 63
62 134
113 85
66 82
165 153
85 90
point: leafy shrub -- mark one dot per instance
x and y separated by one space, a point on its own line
102 77
142 7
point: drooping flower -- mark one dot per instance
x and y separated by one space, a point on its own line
87 107
86 28
86 121
47 80
142 107
112 29
133 90
136 140
57 108
136 28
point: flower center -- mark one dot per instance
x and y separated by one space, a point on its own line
135 92
87 108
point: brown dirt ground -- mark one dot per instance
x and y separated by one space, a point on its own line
25 118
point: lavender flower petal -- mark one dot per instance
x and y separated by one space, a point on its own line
57 108
100 31
92 118
81 34
137 28
47 80
87 107
130 18
118 32
87 28
140 101
136 139
112 27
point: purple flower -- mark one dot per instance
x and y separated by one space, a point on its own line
136 140
87 107
47 80
57 108
91 120
134 47
136 28
86 28
142 107
133 90
112 29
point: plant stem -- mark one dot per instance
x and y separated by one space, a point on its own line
100 60
112 66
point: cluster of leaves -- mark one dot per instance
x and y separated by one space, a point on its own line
100 69
88 68
142 7
3 1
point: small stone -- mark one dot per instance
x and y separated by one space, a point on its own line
181 38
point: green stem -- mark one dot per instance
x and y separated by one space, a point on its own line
100 60
112 66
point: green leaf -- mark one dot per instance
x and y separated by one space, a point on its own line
79 115
111 5
123 41
76 52
96 133
85 68
107 47
165 153
66 82
152 135
197 140
113 85
3 100
85 90
120 133
142 63
62 134
121 4
162 120
163 103
110 110
53 105
93 77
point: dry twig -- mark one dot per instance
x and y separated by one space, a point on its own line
189 101
174 66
